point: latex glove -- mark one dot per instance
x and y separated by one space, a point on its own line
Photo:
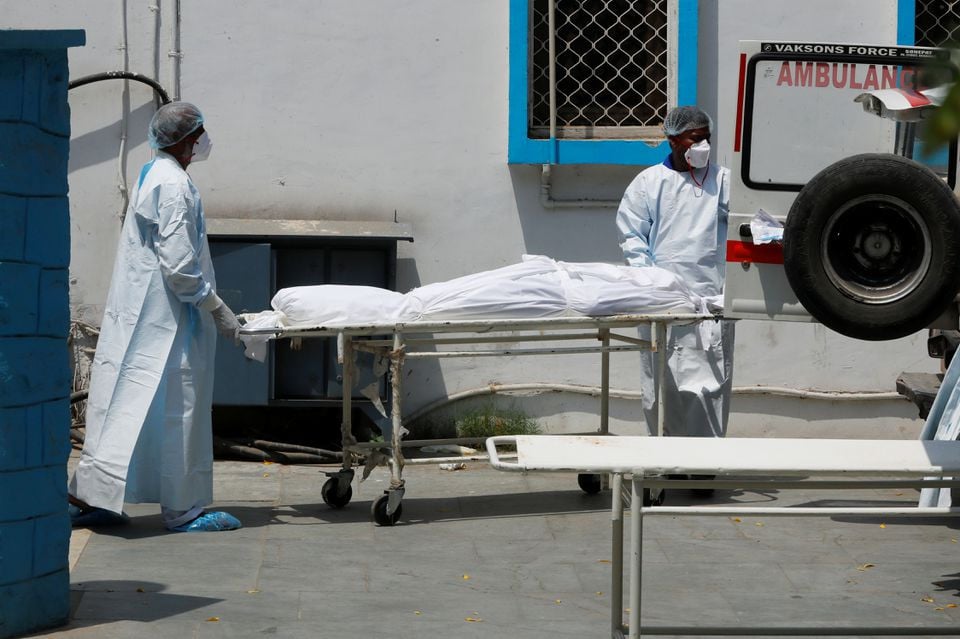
227 324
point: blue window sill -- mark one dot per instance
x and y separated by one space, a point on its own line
530 151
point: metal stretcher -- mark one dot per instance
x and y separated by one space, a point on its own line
647 462
399 342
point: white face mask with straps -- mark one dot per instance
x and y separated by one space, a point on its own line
697 156
201 148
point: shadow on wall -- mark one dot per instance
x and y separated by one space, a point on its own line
103 144
425 376
580 234
408 277
771 416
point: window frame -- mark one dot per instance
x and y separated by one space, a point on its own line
523 149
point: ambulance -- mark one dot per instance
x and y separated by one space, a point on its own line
838 211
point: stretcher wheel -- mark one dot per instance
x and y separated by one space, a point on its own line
589 483
333 498
649 500
379 512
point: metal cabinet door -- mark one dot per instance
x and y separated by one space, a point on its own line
300 374
365 267
244 280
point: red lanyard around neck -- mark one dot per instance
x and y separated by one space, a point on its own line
693 175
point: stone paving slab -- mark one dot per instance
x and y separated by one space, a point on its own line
478 553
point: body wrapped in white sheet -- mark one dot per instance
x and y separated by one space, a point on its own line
336 304
536 287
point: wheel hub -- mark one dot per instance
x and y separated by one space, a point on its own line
877 245
876 249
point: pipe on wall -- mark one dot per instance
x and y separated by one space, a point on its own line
549 202
124 115
595 391
155 10
175 53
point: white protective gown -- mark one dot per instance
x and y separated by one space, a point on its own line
666 219
148 432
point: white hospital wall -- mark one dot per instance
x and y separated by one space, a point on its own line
366 110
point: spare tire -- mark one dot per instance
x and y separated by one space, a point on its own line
871 246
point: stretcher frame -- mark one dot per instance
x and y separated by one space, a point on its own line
647 462
403 341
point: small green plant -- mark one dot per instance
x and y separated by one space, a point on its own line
489 421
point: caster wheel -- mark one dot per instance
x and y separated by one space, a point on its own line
654 501
379 512
589 483
330 495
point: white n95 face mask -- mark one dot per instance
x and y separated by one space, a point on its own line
201 148
698 155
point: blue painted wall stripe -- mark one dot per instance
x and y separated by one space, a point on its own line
519 21
906 22
688 45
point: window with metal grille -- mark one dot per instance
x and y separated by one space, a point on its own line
594 87
937 23
610 71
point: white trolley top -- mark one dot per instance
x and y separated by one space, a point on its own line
727 456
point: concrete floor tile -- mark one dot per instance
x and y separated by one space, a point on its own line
230 568
302 569
865 580
414 604
543 576
556 606
686 577
142 606
732 551
811 609
123 629
901 551
662 605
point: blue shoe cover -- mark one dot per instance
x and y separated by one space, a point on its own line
210 522
94 517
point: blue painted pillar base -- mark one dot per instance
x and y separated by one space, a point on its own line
28 606
34 325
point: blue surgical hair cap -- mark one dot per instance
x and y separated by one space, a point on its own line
684 118
172 122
